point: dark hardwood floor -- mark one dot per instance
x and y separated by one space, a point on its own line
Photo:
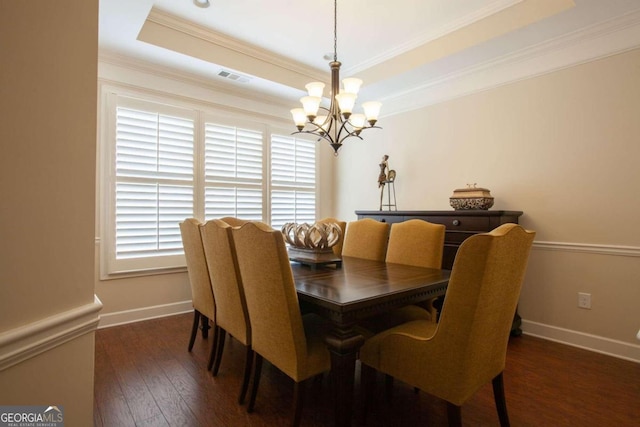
144 376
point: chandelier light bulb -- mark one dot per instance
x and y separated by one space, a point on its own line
351 85
346 101
299 117
372 111
311 104
357 120
315 89
321 122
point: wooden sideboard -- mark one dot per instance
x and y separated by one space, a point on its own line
460 225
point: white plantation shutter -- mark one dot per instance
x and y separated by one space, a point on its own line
233 172
154 163
293 180
162 163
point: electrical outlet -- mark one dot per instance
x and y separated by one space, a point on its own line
584 300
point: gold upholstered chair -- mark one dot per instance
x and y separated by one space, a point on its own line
416 242
279 333
337 248
233 221
419 243
413 242
231 308
366 238
467 348
204 308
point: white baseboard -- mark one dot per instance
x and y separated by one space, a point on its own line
589 342
27 341
619 349
144 313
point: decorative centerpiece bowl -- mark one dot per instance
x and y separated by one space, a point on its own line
471 198
317 237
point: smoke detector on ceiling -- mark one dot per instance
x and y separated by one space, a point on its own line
234 76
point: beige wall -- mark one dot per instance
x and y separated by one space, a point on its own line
47 187
563 148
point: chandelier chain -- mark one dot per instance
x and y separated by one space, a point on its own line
335 30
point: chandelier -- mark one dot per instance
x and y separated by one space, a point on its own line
338 122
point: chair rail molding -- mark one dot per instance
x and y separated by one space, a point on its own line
27 341
614 250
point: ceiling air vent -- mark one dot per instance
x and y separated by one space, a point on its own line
234 76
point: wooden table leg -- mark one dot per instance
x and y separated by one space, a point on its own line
343 344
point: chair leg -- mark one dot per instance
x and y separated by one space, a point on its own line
194 328
222 334
368 381
298 402
247 374
501 403
454 415
214 346
205 326
257 370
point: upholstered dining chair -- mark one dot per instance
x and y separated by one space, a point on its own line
231 308
467 348
366 238
204 308
419 243
279 333
233 221
337 248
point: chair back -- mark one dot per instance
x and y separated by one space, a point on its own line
366 238
233 221
277 331
231 308
337 248
201 291
416 242
479 305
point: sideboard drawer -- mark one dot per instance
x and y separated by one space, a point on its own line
460 223
389 219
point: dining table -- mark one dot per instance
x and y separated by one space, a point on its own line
350 291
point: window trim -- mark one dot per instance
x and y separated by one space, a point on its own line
110 99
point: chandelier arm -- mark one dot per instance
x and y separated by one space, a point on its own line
314 133
349 135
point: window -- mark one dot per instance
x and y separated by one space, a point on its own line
233 172
293 180
163 164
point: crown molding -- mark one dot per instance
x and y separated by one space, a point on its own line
164 72
192 29
431 35
598 41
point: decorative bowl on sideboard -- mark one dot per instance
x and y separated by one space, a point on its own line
471 197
